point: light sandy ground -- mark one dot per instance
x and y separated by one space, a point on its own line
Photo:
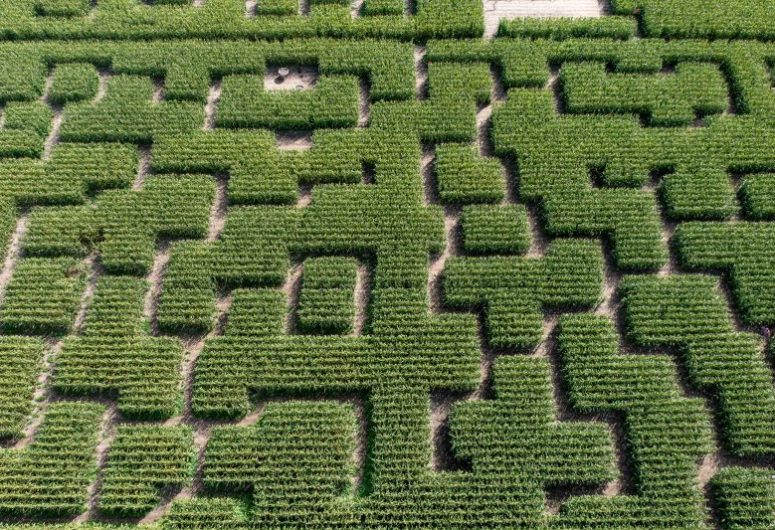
211 107
13 253
420 73
355 8
102 85
219 209
143 167
293 140
437 263
305 196
53 134
158 91
495 10
155 278
291 289
94 271
363 102
41 396
297 78
361 298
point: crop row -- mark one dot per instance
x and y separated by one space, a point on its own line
406 354
741 251
676 98
141 462
189 67
294 466
666 432
743 498
227 19
513 440
279 19
43 296
50 477
326 300
494 229
296 461
255 355
114 355
514 291
332 103
464 177
731 19
688 313
73 82
20 362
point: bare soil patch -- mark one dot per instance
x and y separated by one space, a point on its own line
290 77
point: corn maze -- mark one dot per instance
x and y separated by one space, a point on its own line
285 264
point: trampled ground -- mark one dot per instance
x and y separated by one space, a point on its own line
437 264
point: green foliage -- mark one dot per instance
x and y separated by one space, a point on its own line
327 299
256 312
20 359
608 27
518 426
114 356
466 178
206 512
42 296
743 498
449 438
223 19
128 114
50 477
73 82
332 102
142 460
257 173
131 222
491 229
296 461
382 7
757 195
62 8
629 219
666 432
743 250
449 114
277 7
186 302
687 312
746 19
514 291
584 144
93 167
60 231
252 252
665 99
25 128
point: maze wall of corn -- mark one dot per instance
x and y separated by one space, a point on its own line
321 264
